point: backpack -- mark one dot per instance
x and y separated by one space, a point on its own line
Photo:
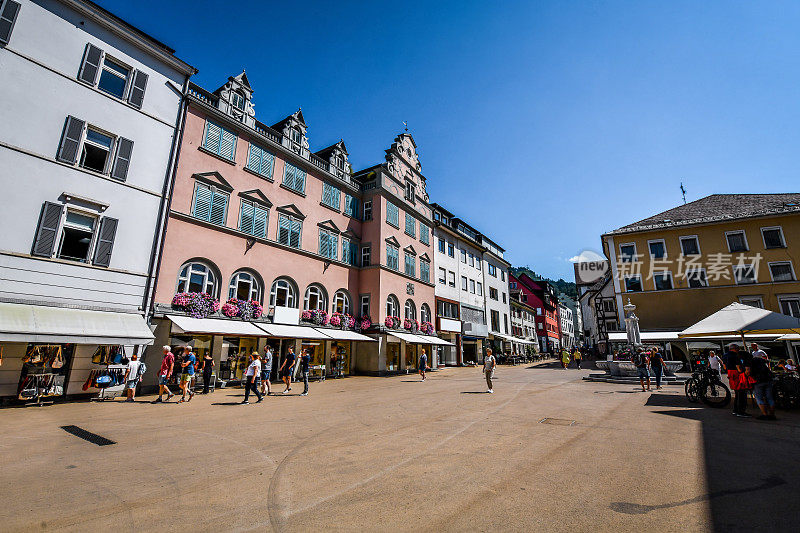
637 359
142 370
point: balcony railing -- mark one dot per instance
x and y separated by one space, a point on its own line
317 161
201 94
268 132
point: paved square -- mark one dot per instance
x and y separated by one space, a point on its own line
391 454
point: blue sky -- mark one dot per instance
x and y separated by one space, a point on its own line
541 123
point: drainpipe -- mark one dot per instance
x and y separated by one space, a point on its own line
148 303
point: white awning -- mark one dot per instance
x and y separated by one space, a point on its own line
292 332
420 339
652 336
504 337
345 335
408 337
39 323
430 339
215 326
521 341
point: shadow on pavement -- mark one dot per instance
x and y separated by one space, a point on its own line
474 392
751 468
670 400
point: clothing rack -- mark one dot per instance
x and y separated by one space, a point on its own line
115 387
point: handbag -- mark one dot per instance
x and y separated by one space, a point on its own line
734 378
58 361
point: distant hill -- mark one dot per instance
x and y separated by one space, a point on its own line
561 285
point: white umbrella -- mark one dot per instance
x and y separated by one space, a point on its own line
739 319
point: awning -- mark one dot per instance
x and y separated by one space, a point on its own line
408 337
430 339
739 319
653 336
215 326
39 323
522 341
293 332
420 339
345 335
504 337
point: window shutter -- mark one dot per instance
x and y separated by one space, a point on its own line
353 253
212 140
294 240
123 159
267 160
70 140
105 241
48 229
91 64
136 97
283 230
260 221
7 19
202 202
300 179
219 205
254 154
323 244
228 145
246 217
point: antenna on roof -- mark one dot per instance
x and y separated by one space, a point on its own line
683 192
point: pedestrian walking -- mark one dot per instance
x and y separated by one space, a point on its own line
564 358
187 374
423 364
762 389
578 356
208 369
164 373
737 378
286 369
715 363
642 363
305 359
251 375
757 352
658 366
266 372
489 363
132 377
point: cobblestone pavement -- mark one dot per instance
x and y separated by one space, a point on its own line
546 452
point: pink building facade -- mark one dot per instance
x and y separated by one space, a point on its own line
293 246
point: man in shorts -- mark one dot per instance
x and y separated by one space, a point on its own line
642 363
187 373
132 378
286 369
164 373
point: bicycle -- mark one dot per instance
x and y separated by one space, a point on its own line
706 386
786 389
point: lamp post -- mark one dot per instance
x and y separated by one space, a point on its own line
632 326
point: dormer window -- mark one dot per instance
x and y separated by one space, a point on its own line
295 135
237 100
339 162
410 192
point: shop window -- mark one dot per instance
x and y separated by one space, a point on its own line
315 298
44 370
341 302
392 356
410 310
244 286
392 306
283 293
197 277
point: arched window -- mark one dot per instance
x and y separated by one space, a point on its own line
316 298
392 306
283 293
424 313
341 302
197 277
244 286
411 310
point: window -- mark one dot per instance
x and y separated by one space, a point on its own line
283 294
220 141
368 210
237 100
505 323
210 204
451 279
424 313
349 251
424 233
330 195
447 309
392 214
315 298
113 78
366 253
504 297
502 275
410 310
411 265
294 178
463 283
364 305
744 274
790 306
253 218
696 278
478 263
92 149
662 281
441 245
8 16
295 135
410 192
442 276
289 230
451 250
341 303
464 256
781 271
96 150
244 286
471 260
633 283
690 245
492 270
392 306
773 237
77 235
492 293
627 253
495 321
328 244
260 161
737 241
197 277
658 250
752 301
480 288
411 225
350 206
512 284
472 286
392 257
425 271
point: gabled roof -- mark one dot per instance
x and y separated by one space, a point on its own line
326 152
297 115
256 195
213 178
718 208
291 210
329 225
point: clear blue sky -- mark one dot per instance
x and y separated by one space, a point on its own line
541 123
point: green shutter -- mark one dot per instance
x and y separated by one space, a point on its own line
202 201
219 208
213 137
246 217
260 221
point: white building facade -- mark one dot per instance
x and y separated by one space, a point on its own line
565 317
95 106
498 306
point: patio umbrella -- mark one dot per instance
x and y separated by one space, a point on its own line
739 319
